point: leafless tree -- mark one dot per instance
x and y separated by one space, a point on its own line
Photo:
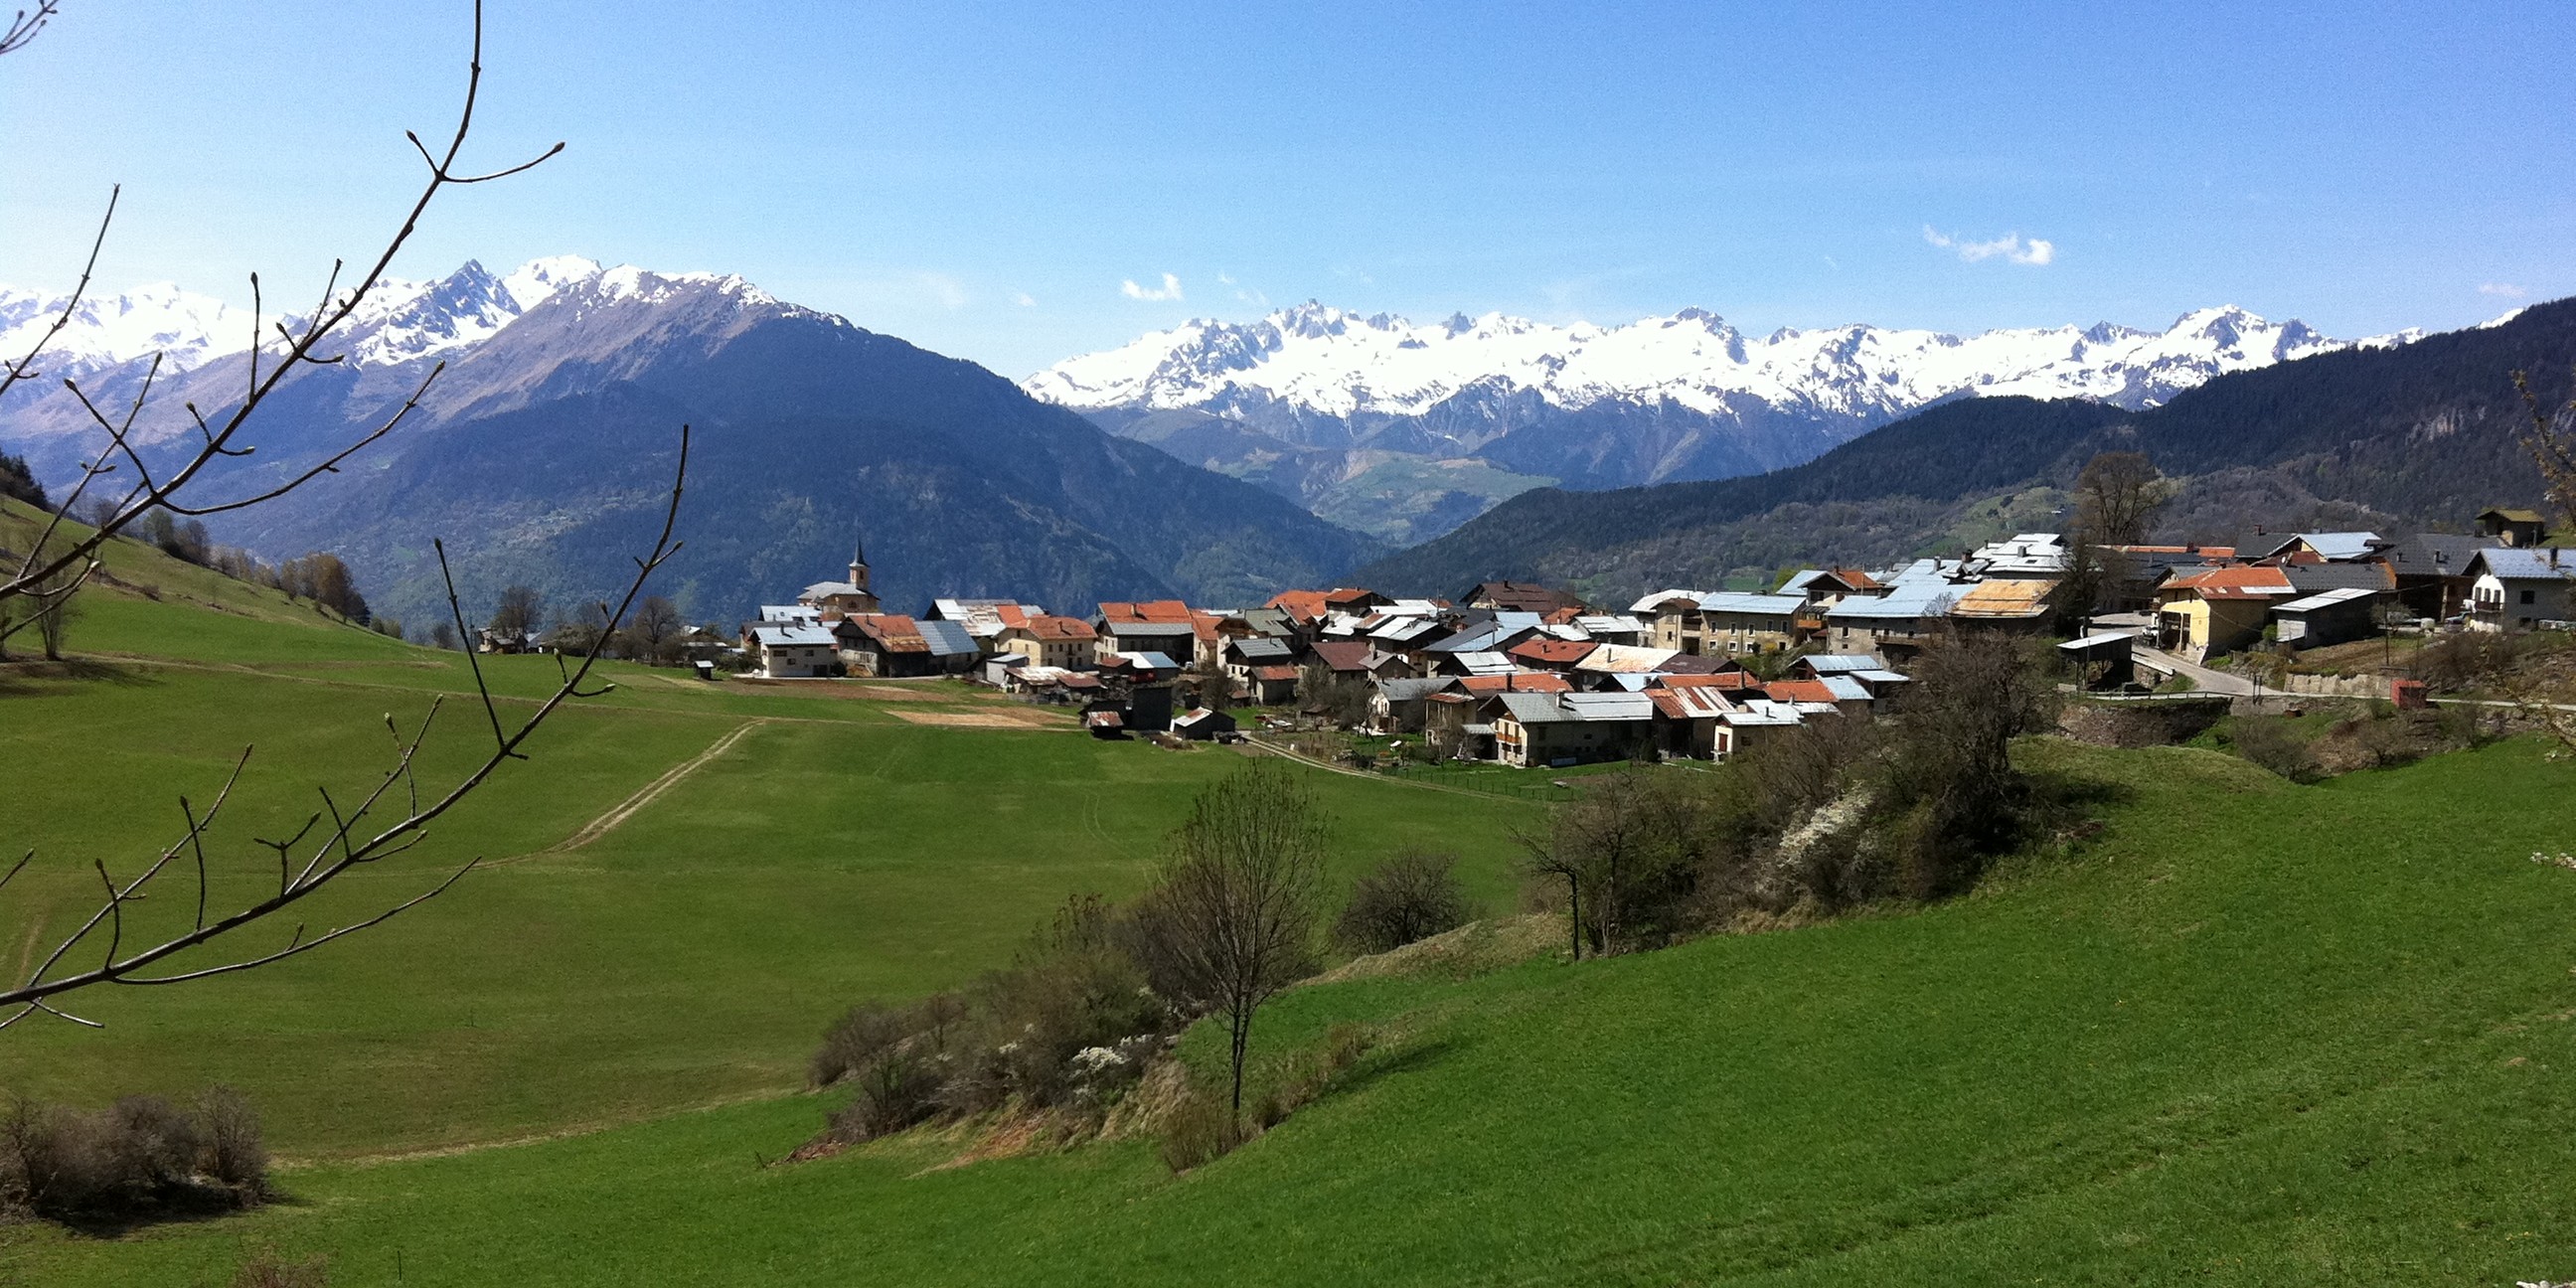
124 482
333 841
393 816
1231 917
2116 496
520 612
1411 896
26 24
2551 441
654 635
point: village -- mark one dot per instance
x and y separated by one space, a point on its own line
1530 676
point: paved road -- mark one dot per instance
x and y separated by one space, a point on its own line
2208 681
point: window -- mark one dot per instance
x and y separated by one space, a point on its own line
2527 596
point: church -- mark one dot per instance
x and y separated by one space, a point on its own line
837 599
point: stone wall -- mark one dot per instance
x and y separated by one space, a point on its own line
2140 722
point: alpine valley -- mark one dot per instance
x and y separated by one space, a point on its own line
1406 431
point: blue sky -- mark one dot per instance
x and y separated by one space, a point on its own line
985 180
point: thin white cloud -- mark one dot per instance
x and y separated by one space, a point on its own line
1169 290
1024 299
2505 289
2033 251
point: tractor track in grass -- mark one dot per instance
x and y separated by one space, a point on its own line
646 795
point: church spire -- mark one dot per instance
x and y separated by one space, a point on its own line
859 565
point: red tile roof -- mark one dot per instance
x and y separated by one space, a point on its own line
1300 605
1157 610
1051 627
2248 582
1517 682
1799 691
1274 673
1738 679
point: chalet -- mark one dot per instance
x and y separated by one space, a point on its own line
2325 547
1048 640
954 649
2328 617
1605 662
2521 589
1176 640
1900 619
1105 719
781 651
882 644
1558 729
2431 572
1757 721
1850 675
1397 706
842 598
1691 721
1733 623
2205 614
1346 659
488 640
2514 529
1611 628
984 619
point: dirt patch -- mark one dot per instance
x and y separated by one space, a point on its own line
2163 722
848 691
980 719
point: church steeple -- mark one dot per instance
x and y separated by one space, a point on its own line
859 565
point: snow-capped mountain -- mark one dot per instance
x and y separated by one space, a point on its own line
1669 398
398 321
542 454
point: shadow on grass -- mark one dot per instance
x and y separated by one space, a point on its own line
185 1205
20 679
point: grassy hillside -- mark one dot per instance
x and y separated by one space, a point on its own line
2250 1033
837 848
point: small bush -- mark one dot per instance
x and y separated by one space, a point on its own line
142 1156
1412 896
233 1153
2267 741
1199 1130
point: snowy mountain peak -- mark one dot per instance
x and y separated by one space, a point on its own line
1314 358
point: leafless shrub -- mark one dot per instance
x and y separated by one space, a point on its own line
232 1151
1411 896
141 1156
2269 742
1198 1131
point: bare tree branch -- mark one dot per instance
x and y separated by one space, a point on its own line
40 568
24 27
340 849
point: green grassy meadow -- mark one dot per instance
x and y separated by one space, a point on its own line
2247 1032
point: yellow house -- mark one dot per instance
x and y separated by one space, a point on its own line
2217 610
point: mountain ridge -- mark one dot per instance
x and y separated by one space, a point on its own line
1314 401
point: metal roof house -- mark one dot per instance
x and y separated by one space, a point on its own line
782 651
2522 589
1559 729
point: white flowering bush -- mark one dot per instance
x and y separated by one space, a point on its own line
2559 860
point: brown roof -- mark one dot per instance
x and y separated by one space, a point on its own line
1552 652
1350 595
1521 597
1157 610
1051 627
1738 678
1343 655
2005 598
1274 673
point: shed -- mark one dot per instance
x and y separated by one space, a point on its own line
1199 724
2327 617
2104 658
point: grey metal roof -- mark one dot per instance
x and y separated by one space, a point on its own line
1412 688
1407 629
2529 563
2435 554
1156 661
1846 688
773 635
2326 599
1913 594
1597 625
1486 664
1261 648
1764 711
2098 639
787 613
2308 579
1832 663
1881 677
1578 708
946 639
2340 545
